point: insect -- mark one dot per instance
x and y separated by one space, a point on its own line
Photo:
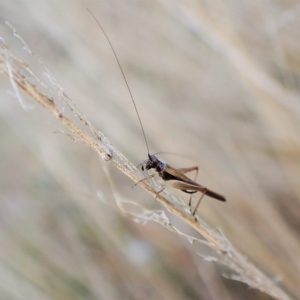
176 178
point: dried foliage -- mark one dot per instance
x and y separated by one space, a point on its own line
212 245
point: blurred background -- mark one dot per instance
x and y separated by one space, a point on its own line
215 81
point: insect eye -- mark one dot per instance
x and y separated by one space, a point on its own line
142 167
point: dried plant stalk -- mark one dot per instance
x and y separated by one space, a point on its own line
14 69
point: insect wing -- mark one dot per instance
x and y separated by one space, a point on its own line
185 183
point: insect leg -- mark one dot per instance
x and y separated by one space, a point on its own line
149 177
187 186
186 170
143 179
196 207
157 193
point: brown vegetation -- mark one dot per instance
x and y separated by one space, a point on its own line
215 81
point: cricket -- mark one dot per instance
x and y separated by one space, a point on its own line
175 178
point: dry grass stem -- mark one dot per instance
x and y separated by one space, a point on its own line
21 78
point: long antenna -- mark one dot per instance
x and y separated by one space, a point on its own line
112 48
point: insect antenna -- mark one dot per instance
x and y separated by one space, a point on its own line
123 74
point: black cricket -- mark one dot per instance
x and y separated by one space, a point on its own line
174 177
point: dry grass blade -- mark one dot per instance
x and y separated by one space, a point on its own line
18 74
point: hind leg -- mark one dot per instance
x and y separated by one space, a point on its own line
199 201
186 170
